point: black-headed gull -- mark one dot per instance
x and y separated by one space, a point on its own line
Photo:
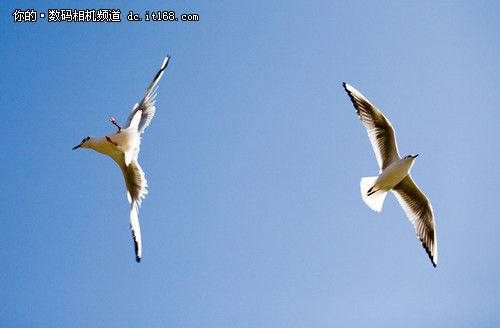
394 174
123 147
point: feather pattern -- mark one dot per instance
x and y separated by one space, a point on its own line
147 104
380 131
419 210
136 183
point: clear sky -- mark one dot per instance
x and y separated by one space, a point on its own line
254 216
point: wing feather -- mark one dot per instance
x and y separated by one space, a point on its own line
380 131
136 183
419 210
147 104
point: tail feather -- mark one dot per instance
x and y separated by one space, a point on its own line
373 198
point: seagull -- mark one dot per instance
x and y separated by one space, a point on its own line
394 174
123 147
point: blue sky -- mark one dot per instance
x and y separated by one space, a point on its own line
254 216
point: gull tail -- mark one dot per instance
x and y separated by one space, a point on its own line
136 231
373 198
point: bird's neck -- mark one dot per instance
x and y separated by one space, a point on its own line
101 145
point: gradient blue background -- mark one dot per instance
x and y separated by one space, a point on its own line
254 216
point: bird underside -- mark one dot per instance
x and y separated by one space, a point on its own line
374 198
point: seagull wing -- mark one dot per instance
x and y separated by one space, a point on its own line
147 104
136 231
136 190
419 210
379 128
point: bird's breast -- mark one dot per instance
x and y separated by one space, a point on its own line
393 174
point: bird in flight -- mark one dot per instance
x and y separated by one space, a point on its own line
123 147
394 174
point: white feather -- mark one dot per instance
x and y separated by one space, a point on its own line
375 200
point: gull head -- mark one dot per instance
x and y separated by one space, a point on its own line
84 144
410 158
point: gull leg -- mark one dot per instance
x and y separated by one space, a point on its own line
109 139
112 120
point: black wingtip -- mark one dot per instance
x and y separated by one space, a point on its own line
345 85
432 261
351 96
160 72
136 246
348 92
165 62
428 251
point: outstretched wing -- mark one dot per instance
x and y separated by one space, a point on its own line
379 128
136 190
419 210
147 104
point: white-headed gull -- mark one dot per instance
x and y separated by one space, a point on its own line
123 147
394 174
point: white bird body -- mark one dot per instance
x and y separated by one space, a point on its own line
374 189
394 174
124 141
123 147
